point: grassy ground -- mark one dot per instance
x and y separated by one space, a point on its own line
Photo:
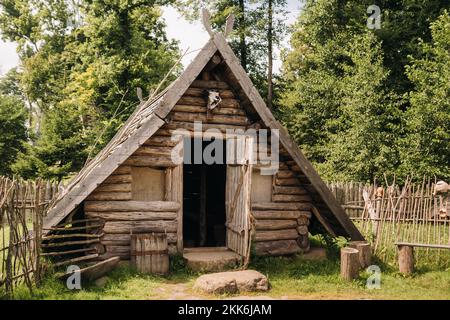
290 278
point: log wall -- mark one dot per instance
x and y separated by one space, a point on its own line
281 222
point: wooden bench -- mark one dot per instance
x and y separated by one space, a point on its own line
406 254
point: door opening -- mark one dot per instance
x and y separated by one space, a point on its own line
204 214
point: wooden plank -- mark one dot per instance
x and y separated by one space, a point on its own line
212 118
156 226
177 196
133 215
150 161
120 187
118 179
145 206
210 84
423 245
275 224
270 215
273 235
201 92
148 184
291 198
289 190
109 196
287 206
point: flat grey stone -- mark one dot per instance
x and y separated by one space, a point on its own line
232 282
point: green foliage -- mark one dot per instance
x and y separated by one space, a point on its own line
12 131
80 79
345 98
426 148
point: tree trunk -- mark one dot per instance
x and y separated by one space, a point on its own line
349 263
270 55
242 40
406 259
365 252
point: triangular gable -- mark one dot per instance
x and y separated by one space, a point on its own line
106 162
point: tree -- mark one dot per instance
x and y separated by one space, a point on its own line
426 148
81 78
12 131
259 27
335 99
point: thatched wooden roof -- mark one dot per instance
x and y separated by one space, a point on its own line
151 115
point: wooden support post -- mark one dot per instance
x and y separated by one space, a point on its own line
349 263
202 218
177 194
365 252
406 259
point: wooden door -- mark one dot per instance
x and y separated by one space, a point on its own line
237 194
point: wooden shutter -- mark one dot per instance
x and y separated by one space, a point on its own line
238 186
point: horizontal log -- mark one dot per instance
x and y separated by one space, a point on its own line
209 84
71 235
289 190
153 151
277 248
286 234
283 174
140 226
287 181
212 118
120 178
133 215
122 170
109 196
199 92
78 259
161 141
275 224
121 239
288 206
173 125
145 206
220 110
119 187
272 215
66 252
150 161
291 198
69 243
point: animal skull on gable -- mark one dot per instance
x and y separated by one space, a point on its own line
442 189
214 99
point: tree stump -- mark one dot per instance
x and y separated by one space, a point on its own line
365 252
406 259
350 265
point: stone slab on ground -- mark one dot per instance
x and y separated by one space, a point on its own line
211 259
232 282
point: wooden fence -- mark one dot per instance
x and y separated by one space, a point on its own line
22 208
392 213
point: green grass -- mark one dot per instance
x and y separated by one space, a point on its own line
292 278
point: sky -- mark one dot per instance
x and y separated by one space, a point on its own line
190 35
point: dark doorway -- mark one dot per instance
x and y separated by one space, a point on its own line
203 201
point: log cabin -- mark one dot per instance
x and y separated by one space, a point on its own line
134 185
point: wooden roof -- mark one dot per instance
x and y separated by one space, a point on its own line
150 116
